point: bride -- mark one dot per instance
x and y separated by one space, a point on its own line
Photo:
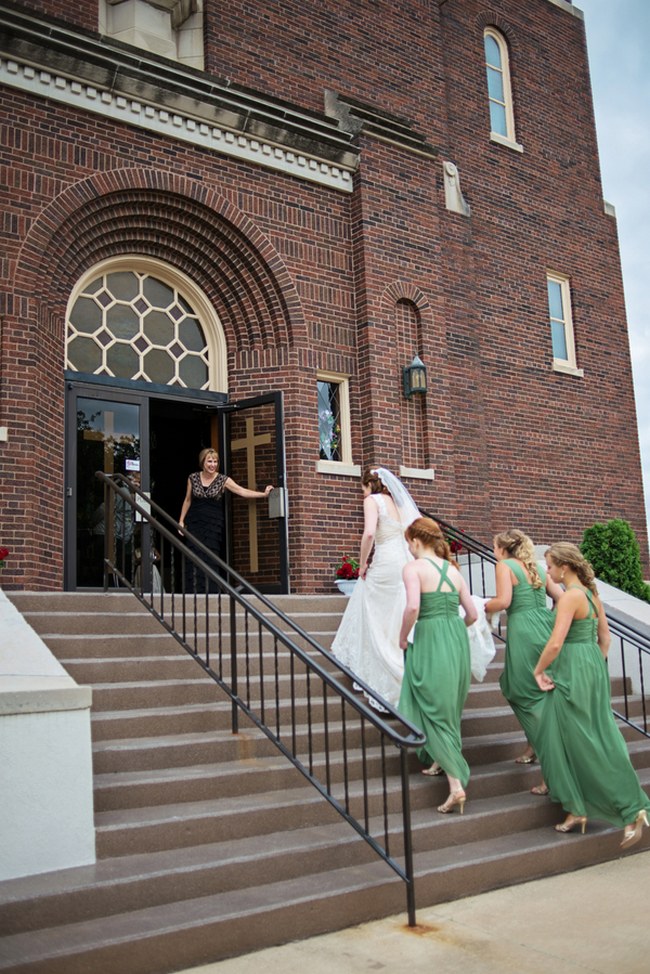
367 641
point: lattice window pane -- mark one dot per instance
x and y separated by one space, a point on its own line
112 328
329 421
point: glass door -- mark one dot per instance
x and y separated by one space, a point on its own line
154 440
103 434
252 433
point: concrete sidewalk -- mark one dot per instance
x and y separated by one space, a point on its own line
594 920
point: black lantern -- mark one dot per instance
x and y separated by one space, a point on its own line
415 378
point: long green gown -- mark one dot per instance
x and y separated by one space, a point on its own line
436 678
584 756
530 623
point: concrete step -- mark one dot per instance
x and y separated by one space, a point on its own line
169 936
174 662
212 844
160 720
112 601
131 881
172 693
236 814
89 646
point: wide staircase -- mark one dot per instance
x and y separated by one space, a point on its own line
210 844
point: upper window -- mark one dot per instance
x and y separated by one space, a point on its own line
335 448
561 321
497 66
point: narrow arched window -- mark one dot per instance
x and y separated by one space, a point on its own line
497 66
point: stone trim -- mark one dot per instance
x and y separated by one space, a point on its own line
83 71
173 125
415 473
357 117
179 10
568 8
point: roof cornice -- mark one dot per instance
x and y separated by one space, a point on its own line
106 77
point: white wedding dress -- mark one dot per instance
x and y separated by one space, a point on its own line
367 641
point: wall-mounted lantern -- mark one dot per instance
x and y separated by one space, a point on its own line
415 378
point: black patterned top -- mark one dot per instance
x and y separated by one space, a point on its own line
213 492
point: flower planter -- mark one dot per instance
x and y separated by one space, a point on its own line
345 585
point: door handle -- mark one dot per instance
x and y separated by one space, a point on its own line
278 502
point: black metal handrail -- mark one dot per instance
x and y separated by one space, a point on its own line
629 655
223 627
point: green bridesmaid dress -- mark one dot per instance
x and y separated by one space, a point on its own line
436 678
530 623
584 756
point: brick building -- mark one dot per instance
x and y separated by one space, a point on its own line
237 223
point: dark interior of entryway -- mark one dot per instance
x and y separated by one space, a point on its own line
178 431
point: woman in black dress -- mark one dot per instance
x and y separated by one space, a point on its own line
202 511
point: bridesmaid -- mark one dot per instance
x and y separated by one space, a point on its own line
521 590
583 753
437 664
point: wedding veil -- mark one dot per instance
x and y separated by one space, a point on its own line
406 506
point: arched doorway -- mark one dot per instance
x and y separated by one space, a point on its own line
147 389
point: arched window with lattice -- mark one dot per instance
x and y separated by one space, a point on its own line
139 320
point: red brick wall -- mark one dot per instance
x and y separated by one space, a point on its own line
304 278
81 13
101 197
376 51
560 448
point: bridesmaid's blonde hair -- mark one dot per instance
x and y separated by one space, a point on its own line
564 553
428 531
518 545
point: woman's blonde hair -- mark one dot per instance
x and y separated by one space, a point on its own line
428 531
518 545
205 453
564 553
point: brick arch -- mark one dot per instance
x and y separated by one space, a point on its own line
176 220
491 18
399 291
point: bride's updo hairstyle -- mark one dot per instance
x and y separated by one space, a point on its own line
429 533
371 479
564 554
518 545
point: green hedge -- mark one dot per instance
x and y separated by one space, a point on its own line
614 553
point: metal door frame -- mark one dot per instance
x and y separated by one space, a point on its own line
140 394
224 413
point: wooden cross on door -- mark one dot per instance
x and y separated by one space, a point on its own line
248 443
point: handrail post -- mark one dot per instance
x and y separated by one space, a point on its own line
233 663
408 839
107 499
109 530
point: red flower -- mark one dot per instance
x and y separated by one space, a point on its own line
349 568
4 553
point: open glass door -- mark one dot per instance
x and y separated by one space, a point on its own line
252 434
104 433
155 439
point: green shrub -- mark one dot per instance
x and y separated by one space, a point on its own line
614 553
